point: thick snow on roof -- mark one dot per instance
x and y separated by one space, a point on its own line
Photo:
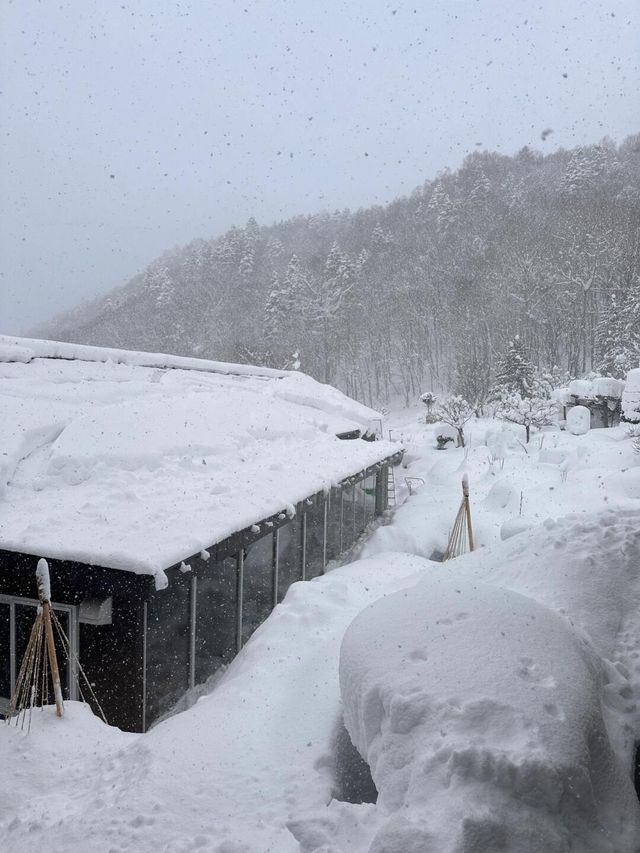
137 461
598 386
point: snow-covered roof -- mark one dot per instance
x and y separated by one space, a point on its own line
598 386
137 461
589 389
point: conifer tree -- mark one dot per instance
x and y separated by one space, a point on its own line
618 333
514 371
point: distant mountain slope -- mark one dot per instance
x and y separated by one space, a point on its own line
425 291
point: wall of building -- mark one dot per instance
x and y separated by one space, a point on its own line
157 644
111 654
205 615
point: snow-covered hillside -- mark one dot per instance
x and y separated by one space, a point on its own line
494 696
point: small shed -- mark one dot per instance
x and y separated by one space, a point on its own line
601 395
176 501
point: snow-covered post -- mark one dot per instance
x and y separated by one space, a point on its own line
465 495
429 399
44 594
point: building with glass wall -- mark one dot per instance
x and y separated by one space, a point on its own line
176 501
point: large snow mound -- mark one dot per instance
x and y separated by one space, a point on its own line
478 711
497 701
137 462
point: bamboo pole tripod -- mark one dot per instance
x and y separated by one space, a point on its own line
40 659
461 536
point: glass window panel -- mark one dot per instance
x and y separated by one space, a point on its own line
370 498
111 656
5 650
359 508
348 516
63 660
216 617
257 591
383 488
314 551
334 524
168 645
289 555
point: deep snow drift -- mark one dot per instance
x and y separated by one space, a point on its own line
479 710
490 716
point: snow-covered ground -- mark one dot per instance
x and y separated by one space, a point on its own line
496 697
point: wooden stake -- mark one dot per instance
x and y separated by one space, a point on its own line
469 528
53 660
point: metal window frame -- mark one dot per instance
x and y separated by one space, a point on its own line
193 597
275 566
239 596
145 609
324 533
304 546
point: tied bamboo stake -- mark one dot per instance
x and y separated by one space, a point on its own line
461 536
32 683
44 594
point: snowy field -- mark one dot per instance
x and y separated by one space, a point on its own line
495 697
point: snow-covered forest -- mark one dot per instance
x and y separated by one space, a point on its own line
424 292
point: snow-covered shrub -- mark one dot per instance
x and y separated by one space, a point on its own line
497 440
444 434
430 400
456 411
546 383
526 411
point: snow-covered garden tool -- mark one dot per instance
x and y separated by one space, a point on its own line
461 536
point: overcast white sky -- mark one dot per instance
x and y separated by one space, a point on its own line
132 127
